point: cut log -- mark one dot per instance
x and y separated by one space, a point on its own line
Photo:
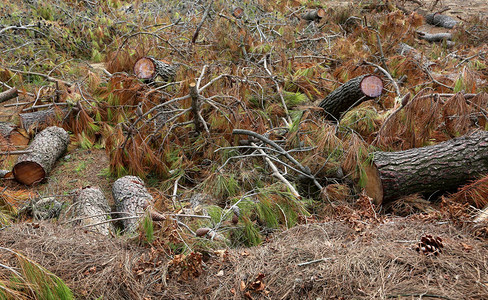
131 197
47 147
148 68
440 20
32 120
314 15
11 135
435 37
91 207
427 170
8 94
351 94
237 12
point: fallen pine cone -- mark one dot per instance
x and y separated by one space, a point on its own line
202 231
430 245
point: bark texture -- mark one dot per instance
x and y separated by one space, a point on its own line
427 170
34 119
148 68
8 94
131 197
90 204
351 94
47 147
435 37
440 20
314 15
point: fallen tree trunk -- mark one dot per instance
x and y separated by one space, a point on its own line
9 132
351 94
8 94
148 68
91 207
314 15
441 20
131 197
33 120
47 147
435 37
427 170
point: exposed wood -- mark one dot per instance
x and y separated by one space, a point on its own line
435 37
35 119
148 68
11 136
132 198
314 15
351 94
427 170
8 94
441 20
47 147
90 206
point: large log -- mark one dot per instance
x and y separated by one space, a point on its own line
427 170
91 207
32 120
47 147
351 94
441 20
131 197
148 68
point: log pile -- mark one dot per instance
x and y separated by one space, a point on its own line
427 170
46 148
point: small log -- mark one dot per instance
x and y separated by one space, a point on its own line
148 68
32 120
427 170
91 207
132 198
435 37
351 94
8 94
47 147
441 20
314 15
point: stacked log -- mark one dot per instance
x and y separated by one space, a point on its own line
351 94
91 209
46 148
427 170
131 198
148 68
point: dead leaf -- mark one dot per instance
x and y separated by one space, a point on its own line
243 286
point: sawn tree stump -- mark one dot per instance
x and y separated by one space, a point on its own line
351 94
427 170
47 147
91 206
148 68
131 198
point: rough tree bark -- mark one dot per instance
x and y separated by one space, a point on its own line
131 197
427 170
148 68
91 207
34 119
440 20
435 37
351 94
47 147
9 132
314 15
8 94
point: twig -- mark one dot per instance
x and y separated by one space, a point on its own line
190 216
18 152
205 14
314 261
47 77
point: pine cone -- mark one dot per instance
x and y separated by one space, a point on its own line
430 245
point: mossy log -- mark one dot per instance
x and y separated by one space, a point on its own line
91 207
131 198
427 170
351 94
441 20
148 68
47 147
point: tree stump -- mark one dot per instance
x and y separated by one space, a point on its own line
314 15
91 206
47 147
148 68
440 20
427 170
351 94
131 198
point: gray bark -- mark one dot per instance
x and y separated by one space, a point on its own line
435 37
8 94
91 206
34 119
47 147
406 50
131 197
441 20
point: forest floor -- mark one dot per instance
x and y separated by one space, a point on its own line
326 244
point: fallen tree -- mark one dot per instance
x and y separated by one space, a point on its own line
351 94
47 147
8 94
32 120
440 20
427 170
91 209
131 198
148 68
